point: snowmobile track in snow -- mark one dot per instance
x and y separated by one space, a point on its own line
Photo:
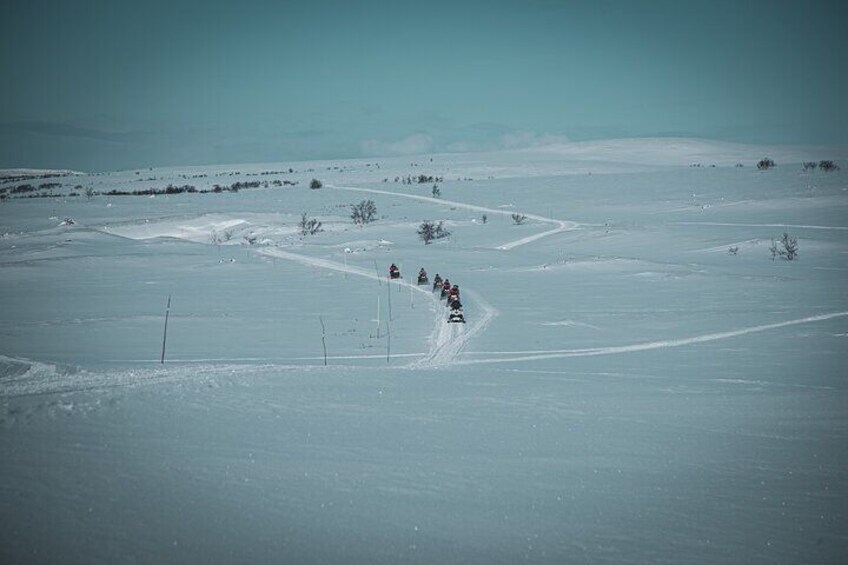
446 341
519 356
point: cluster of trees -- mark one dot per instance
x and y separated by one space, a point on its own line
826 165
4 195
15 178
22 188
420 179
170 189
428 231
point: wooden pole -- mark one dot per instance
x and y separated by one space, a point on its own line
323 339
165 335
378 316
377 270
389 344
389 288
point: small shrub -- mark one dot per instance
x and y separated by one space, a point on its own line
363 213
786 247
828 166
485 218
89 193
315 183
436 192
733 250
809 165
765 164
309 226
519 219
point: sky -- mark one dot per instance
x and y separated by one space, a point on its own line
96 85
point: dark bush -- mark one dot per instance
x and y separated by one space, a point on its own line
315 183
765 164
828 166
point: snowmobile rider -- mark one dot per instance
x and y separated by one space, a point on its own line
422 274
394 272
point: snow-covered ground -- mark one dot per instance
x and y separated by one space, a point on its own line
625 390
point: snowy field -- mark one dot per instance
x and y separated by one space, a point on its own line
625 389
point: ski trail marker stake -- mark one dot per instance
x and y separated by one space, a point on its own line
323 339
165 335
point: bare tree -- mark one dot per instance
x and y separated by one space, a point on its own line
309 226
363 213
786 247
519 219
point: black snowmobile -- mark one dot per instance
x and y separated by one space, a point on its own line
437 283
422 277
456 316
394 272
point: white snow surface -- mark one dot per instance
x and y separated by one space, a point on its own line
625 390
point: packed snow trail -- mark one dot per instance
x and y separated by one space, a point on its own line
614 350
446 340
24 377
561 225
782 226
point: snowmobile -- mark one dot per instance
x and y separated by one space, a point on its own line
456 316
422 277
445 289
394 272
437 283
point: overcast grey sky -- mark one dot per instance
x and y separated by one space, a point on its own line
97 84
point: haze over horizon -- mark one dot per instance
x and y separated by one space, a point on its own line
103 85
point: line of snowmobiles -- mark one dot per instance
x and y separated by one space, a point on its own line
447 292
